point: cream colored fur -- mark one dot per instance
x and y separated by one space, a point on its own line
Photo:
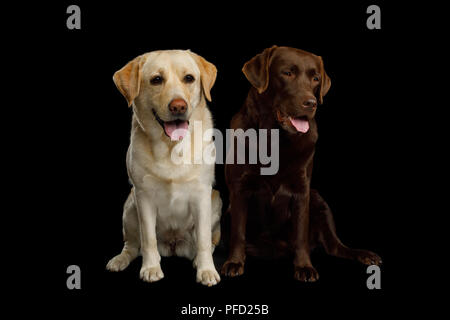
172 209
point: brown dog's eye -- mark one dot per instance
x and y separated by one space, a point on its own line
156 80
316 78
189 78
287 73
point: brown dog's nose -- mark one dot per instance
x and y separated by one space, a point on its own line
177 106
310 103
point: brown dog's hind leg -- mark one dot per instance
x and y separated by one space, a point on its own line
323 232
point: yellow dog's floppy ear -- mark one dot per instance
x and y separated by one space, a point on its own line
325 82
256 70
128 79
208 74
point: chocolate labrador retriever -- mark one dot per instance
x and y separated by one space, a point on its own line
279 214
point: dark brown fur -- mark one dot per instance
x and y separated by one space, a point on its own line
279 214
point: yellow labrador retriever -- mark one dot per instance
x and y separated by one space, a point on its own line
172 208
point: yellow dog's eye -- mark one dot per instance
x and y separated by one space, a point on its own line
156 80
189 78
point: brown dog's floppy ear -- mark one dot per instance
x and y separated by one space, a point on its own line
325 83
208 74
128 79
256 70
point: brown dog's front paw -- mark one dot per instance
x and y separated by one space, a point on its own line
232 269
368 257
306 274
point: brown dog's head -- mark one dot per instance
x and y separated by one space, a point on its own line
293 80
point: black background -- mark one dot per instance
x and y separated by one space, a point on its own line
356 169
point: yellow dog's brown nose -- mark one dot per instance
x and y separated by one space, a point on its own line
177 106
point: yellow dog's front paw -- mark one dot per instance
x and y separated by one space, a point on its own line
151 274
208 277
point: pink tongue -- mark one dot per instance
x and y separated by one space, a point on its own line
300 124
176 130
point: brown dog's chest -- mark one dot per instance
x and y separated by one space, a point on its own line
294 155
278 193
295 152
